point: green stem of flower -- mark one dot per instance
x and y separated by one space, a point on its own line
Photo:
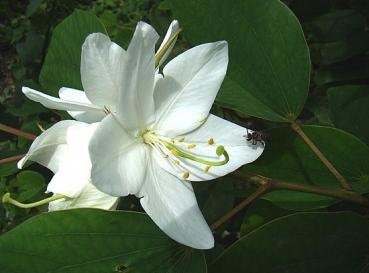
7 199
159 55
220 151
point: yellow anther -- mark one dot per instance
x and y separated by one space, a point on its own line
186 175
202 120
207 168
210 141
176 161
191 146
181 139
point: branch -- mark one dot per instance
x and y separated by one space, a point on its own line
320 155
347 195
16 132
263 189
266 185
11 159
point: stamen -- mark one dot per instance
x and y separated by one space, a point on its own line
7 199
186 175
207 168
177 162
177 152
159 55
42 129
107 111
210 141
181 139
191 146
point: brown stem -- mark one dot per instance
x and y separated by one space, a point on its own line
266 185
16 132
11 159
320 155
263 189
347 195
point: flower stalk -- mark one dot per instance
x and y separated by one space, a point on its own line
8 200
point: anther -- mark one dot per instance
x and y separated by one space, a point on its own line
186 175
210 141
202 120
107 111
191 146
181 139
176 161
207 168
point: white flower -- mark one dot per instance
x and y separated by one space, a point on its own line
63 149
102 73
160 135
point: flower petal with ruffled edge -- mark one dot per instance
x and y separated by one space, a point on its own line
63 148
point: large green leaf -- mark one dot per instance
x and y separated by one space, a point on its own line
288 158
94 241
299 243
269 69
349 109
62 63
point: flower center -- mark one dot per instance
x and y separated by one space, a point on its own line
171 151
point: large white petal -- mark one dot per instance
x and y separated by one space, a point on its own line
184 96
222 132
172 205
102 69
74 170
50 148
118 159
60 104
136 104
70 94
90 197
174 26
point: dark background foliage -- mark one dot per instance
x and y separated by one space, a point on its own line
337 33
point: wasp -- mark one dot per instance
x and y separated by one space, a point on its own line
256 137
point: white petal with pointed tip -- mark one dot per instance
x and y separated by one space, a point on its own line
174 26
102 69
184 96
70 94
118 159
90 197
222 132
135 107
59 104
172 205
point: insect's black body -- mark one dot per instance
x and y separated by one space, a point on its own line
256 137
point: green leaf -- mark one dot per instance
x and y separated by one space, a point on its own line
215 198
349 109
94 241
303 242
269 68
287 157
62 63
259 213
29 184
336 26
